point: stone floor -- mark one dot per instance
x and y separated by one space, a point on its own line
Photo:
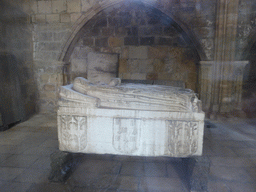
25 162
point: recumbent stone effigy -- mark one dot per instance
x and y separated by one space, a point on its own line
129 119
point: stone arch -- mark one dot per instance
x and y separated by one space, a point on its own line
95 9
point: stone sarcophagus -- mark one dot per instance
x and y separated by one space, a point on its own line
129 119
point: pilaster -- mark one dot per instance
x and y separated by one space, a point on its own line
225 83
205 82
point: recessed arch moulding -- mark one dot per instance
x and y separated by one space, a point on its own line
189 44
199 44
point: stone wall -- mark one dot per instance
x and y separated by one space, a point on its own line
150 45
47 43
54 22
16 39
245 26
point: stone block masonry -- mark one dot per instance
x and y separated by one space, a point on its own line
114 30
145 47
48 41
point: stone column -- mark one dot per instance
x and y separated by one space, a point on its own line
238 67
59 70
205 82
62 77
227 74
66 73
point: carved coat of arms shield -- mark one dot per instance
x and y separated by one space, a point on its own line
182 137
126 135
73 133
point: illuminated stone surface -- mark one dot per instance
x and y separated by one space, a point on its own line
129 119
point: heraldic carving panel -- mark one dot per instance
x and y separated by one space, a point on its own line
126 135
182 137
73 132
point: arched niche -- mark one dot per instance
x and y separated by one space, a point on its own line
171 46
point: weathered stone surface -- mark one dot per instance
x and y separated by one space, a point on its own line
115 42
44 6
158 66
59 6
60 35
101 42
140 66
40 18
133 31
153 115
78 65
106 31
122 66
81 52
73 6
205 32
75 16
180 84
152 76
146 31
65 17
147 40
131 41
157 52
165 41
101 22
45 36
140 52
170 31
49 87
86 5
126 76
138 76
102 67
52 18
105 50
88 41
48 95
45 77
120 31
34 7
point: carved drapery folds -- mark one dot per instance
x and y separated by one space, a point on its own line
139 96
130 119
